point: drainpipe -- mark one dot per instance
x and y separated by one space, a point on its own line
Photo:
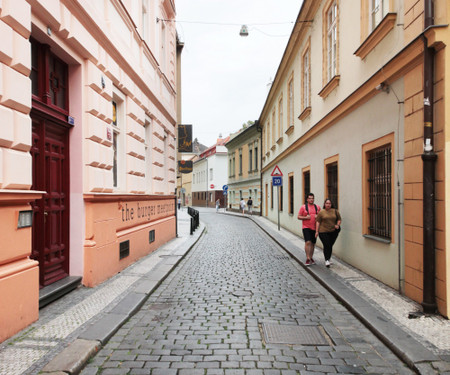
259 129
429 161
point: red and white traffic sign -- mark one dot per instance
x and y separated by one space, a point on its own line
276 172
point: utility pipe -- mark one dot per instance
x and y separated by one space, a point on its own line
429 162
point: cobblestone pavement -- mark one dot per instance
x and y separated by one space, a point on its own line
237 304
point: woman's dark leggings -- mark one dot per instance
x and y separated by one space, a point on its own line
328 239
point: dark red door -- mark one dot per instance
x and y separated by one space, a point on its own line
51 213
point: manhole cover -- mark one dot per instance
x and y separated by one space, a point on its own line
294 335
242 293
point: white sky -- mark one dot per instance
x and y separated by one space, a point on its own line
225 76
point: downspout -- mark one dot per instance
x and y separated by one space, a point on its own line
259 129
429 161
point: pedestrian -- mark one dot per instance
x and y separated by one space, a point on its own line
217 205
179 203
328 226
307 214
242 205
250 205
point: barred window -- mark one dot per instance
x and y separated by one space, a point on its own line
291 193
332 183
380 199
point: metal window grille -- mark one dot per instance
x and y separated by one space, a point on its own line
307 184
380 199
332 183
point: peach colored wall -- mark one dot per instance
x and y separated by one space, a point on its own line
17 271
110 222
413 167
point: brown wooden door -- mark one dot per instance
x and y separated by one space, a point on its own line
51 213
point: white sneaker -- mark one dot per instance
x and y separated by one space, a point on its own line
327 263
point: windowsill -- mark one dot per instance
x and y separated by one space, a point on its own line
377 35
289 130
329 87
280 140
375 238
306 112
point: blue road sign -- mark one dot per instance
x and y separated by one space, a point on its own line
277 181
225 188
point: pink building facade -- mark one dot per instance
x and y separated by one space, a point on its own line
87 143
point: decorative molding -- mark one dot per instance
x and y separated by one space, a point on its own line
280 140
330 86
306 112
289 130
377 35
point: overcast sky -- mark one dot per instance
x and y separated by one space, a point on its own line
225 77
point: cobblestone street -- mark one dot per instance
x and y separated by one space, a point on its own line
237 304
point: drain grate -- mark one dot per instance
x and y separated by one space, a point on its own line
295 335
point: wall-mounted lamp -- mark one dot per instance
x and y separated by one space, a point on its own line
244 30
25 219
383 87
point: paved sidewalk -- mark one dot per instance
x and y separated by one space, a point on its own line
423 343
70 330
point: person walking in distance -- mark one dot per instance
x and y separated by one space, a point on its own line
307 214
217 205
242 205
328 226
250 205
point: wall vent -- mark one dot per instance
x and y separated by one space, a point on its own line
151 236
124 249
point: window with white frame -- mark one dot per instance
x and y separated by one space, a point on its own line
148 154
306 79
378 10
291 102
332 41
118 125
280 117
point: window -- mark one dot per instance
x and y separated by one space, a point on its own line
256 155
377 20
378 10
273 129
240 161
49 78
118 125
163 45
291 193
144 20
280 118
250 158
148 154
210 174
331 180
306 93
291 102
280 197
332 41
271 195
377 180
234 165
306 182
380 200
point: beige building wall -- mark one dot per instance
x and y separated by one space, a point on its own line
374 98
